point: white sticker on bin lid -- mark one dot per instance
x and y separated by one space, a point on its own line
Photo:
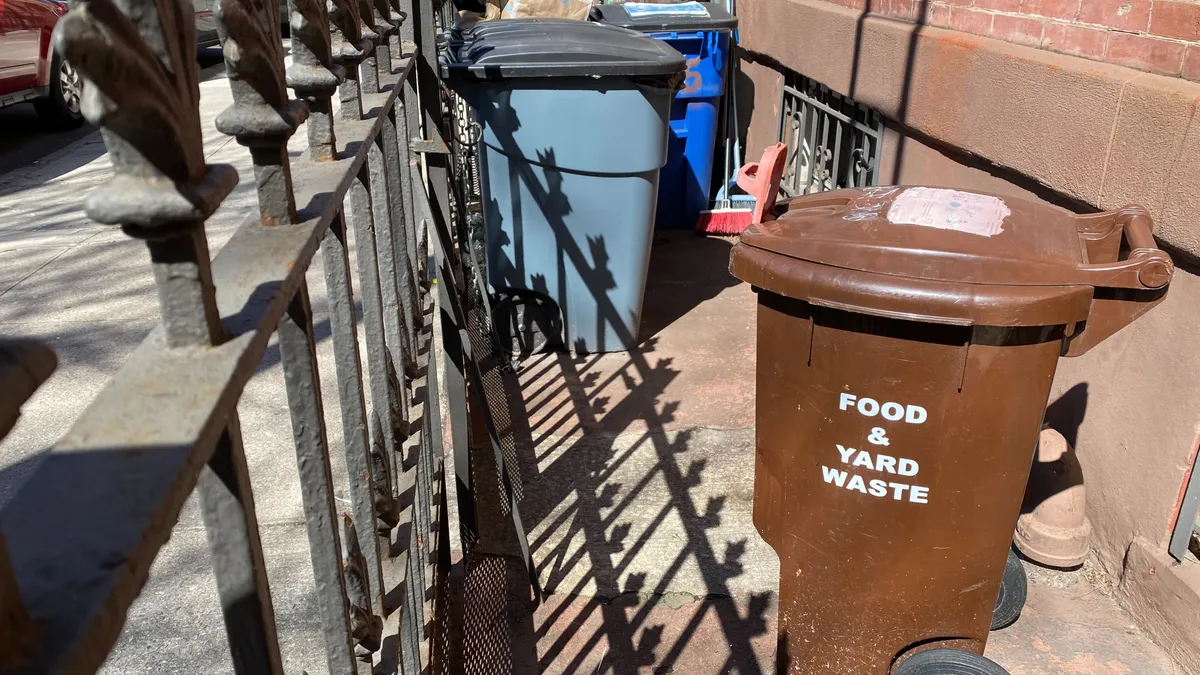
949 210
641 10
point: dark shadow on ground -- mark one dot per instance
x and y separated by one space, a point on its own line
26 137
685 271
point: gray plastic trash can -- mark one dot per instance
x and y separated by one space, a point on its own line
574 118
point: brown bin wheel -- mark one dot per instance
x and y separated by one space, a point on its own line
949 662
1014 589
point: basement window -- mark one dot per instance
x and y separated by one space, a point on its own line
833 142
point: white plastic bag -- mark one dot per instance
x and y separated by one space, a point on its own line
555 9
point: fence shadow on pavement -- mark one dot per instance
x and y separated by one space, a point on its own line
627 509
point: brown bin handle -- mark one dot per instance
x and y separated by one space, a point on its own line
761 180
1146 267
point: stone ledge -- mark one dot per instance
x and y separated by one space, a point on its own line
1162 596
1103 134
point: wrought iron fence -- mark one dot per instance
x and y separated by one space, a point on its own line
81 533
832 141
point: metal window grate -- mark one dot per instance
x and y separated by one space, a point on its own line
832 141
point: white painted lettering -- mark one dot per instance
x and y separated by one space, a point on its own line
877 462
835 476
875 487
869 407
916 414
892 411
846 400
885 463
856 483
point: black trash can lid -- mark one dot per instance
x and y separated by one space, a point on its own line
524 48
648 19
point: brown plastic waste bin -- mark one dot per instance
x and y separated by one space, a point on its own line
907 339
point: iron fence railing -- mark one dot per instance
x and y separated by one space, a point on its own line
832 141
80 534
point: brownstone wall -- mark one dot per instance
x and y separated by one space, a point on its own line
1158 36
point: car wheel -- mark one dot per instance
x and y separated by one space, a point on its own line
949 662
62 107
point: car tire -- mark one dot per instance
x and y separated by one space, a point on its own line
62 107
1014 590
949 662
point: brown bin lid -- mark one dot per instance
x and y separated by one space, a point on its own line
956 236
956 257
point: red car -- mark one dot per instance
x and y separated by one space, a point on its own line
29 68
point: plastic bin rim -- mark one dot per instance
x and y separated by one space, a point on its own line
581 69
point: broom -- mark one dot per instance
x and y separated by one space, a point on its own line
726 219
761 191
760 180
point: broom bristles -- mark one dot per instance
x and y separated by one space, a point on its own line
724 222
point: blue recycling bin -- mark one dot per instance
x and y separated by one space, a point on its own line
704 40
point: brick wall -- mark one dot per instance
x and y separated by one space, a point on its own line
1159 36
